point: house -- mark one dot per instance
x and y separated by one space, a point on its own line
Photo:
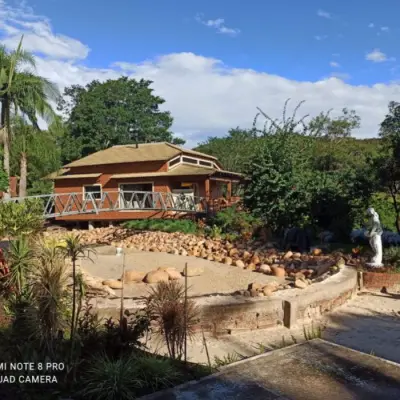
143 181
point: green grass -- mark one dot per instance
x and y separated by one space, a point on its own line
163 225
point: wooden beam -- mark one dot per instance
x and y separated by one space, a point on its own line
207 188
229 191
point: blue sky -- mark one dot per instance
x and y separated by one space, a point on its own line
275 37
216 61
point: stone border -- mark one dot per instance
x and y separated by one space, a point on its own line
225 315
229 314
379 280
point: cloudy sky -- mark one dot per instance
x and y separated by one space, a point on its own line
215 62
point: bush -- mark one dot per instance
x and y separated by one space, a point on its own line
4 183
20 219
232 220
108 379
391 256
163 225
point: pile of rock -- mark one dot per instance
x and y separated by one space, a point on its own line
162 274
254 256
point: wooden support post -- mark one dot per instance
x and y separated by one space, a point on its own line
229 191
207 189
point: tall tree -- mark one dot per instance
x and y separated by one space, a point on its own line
388 161
115 112
21 91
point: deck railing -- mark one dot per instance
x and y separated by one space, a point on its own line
65 204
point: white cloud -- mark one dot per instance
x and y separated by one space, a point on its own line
377 56
320 37
334 64
371 25
324 14
38 35
384 28
218 24
207 98
340 75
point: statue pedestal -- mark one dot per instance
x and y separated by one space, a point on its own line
374 265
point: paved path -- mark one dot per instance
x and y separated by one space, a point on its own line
310 371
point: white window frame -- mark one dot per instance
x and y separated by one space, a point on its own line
181 156
133 183
93 184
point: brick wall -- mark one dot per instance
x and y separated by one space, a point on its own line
378 280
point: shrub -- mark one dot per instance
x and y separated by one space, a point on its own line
156 373
166 304
164 225
108 379
391 256
19 219
4 183
235 221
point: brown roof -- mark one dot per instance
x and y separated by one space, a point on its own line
76 176
180 170
162 151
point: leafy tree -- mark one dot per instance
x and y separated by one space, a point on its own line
234 150
34 154
285 188
121 111
388 162
21 91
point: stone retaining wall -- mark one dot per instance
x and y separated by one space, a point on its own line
378 280
229 314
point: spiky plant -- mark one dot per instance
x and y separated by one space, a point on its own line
166 304
49 289
75 249
107 379
20 259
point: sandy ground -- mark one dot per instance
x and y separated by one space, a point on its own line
217 278
370 322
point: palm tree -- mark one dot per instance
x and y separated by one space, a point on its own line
21 91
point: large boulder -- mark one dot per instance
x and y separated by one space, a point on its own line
113 284
173 274
156 277
278 271
134 276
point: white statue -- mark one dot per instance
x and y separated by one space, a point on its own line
375 238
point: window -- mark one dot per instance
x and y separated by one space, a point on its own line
175 161
94 190
206 163
136 195
189 160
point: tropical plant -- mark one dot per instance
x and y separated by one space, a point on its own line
20 257
175 319
21 91
75 249
49 289
21 218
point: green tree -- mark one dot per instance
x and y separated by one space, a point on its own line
234 150
21 91
116 112
286 189
34 154
388 161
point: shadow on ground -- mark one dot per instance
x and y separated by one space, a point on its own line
310 371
